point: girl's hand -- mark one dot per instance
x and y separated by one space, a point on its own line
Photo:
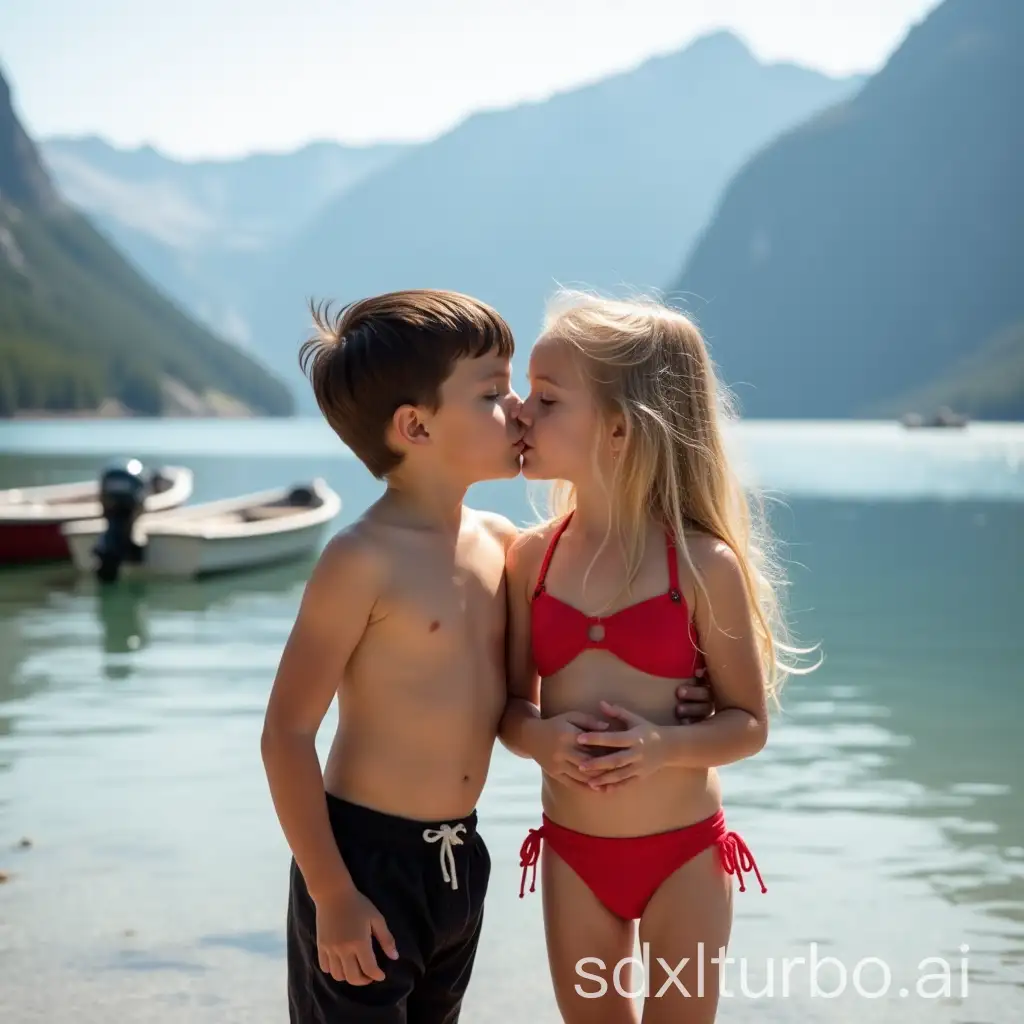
557 749
642 749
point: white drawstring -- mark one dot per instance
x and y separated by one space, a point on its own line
449 837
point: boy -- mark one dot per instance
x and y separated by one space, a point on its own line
403 621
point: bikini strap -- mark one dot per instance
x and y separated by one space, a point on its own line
673 568
547 555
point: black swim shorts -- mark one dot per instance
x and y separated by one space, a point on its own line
428 879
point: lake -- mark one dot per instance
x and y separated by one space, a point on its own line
886 813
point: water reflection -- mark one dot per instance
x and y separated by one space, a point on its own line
916 709
24 592
126 610
52 618
124 624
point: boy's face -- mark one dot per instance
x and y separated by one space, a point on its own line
476 431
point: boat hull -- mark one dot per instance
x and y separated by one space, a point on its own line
198 556
23 543
33 519
191 556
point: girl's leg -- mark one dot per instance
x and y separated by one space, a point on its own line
579 929
689 917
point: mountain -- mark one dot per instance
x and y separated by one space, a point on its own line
989 383
603 186
79 327
201 230
23 181
869 261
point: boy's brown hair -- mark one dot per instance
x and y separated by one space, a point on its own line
389 350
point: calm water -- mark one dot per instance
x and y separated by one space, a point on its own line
887 813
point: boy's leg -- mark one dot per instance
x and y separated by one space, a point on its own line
459 913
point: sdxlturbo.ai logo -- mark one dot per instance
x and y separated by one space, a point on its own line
819 977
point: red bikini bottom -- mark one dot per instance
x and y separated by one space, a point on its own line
625 872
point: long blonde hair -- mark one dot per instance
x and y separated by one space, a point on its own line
649 363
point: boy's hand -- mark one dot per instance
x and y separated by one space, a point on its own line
557 751
345 923
694 701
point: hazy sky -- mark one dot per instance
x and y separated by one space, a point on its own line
221 77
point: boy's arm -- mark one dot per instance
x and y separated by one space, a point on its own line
522 708
522 683
332 618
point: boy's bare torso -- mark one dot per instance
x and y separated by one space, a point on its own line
425 688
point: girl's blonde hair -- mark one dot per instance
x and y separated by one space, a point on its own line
649 363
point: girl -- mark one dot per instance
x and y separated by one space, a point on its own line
648 576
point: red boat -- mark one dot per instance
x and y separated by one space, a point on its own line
31 517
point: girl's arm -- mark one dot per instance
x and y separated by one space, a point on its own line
725 625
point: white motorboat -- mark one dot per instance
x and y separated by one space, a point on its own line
32 518
226 535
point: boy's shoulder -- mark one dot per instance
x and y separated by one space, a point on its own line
518 539
498 526
355 553
528 548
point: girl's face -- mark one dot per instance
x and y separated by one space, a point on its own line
561 417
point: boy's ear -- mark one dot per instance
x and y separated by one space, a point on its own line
409 426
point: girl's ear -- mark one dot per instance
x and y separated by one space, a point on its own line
617 433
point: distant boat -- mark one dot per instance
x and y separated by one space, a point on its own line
31 518
212 537
944 418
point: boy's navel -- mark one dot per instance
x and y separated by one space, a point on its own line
434 626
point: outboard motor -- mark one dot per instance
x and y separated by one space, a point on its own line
123 490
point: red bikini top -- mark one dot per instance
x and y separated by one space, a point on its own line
655 636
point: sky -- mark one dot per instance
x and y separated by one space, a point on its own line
219 78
